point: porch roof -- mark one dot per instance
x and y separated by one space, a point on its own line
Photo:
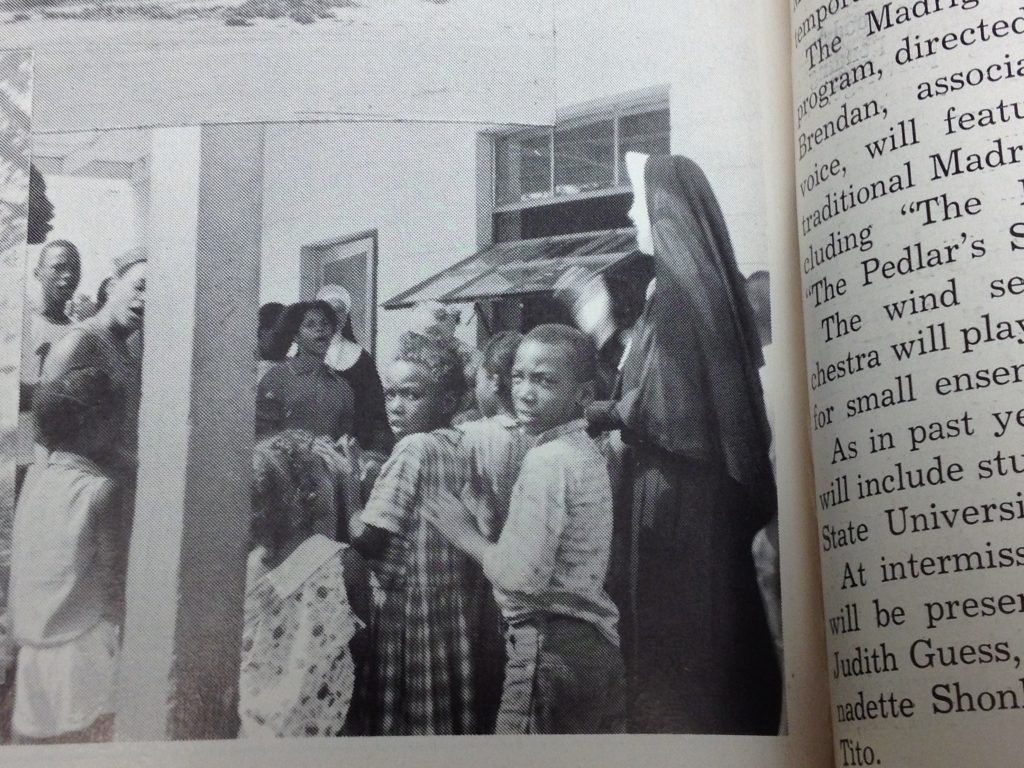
521 267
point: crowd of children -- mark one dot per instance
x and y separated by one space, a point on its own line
521 524
377 591
500 524
449 550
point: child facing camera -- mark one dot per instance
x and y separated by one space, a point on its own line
65 582
302 392
564 672
421 679
306 601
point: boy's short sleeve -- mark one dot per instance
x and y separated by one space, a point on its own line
392 503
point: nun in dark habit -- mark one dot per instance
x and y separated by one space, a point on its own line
697 482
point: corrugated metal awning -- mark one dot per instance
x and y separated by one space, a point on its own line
521 267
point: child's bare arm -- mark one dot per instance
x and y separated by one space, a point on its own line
455 522
371 542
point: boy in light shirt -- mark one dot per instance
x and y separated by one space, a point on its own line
564 672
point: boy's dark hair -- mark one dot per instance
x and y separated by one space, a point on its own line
67 245
582 350
499 353
71 403
438 354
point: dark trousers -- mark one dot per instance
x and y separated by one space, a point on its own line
488 655
562 676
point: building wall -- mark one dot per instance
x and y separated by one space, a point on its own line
414 183
420 184
98 216
707 52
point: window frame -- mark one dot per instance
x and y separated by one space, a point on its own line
641 102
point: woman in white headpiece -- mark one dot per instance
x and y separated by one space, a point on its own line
358 368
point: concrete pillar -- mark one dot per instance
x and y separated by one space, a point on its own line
179 673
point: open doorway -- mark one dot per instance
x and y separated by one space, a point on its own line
350 262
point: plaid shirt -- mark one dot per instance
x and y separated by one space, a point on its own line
420 672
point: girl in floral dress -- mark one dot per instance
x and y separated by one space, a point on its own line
306 598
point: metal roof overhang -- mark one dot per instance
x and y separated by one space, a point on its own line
521 267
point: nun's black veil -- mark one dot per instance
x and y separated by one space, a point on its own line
690 382
697 482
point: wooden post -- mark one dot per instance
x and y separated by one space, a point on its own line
179 674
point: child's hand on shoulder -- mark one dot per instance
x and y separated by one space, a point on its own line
476 499
349 455
449 516
370 464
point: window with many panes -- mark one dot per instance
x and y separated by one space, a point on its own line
580 156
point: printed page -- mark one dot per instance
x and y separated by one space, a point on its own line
382 157
910 200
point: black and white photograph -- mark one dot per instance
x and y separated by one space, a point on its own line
491 493
559 382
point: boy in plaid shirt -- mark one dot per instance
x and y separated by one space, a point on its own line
564 672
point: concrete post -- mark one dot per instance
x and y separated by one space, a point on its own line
179 675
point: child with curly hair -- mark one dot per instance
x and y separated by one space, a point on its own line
306 602
420 676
